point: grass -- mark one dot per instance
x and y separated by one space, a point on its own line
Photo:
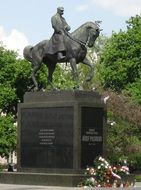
138 178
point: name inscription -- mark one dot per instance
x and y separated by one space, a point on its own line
91 136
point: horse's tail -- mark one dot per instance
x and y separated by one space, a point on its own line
27 53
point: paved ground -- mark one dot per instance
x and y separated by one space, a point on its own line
30 187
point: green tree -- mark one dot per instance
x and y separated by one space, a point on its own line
120 60
119 71
122 136
14 82
8 134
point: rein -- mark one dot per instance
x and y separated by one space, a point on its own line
78 41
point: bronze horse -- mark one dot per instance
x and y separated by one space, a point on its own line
78 41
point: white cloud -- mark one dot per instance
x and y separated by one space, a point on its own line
14 41
83 7
1 32
119 7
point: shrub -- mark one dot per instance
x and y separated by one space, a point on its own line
134 161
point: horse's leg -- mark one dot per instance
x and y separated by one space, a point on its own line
51 69
91 72
74 70
36 67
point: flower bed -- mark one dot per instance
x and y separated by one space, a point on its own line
105 175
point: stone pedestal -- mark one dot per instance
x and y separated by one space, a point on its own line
60 132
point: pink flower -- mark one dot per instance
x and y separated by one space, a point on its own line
125 168
115 175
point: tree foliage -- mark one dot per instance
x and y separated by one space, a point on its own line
121 58
14 81
119 71
8 133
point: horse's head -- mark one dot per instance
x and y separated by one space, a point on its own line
93 31
87 33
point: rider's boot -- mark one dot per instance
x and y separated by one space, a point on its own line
60 56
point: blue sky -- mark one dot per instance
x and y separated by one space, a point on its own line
25 22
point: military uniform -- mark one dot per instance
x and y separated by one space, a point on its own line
57 43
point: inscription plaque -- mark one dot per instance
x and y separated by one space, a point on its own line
47 137
91 134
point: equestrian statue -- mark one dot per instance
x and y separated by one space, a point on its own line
63 47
